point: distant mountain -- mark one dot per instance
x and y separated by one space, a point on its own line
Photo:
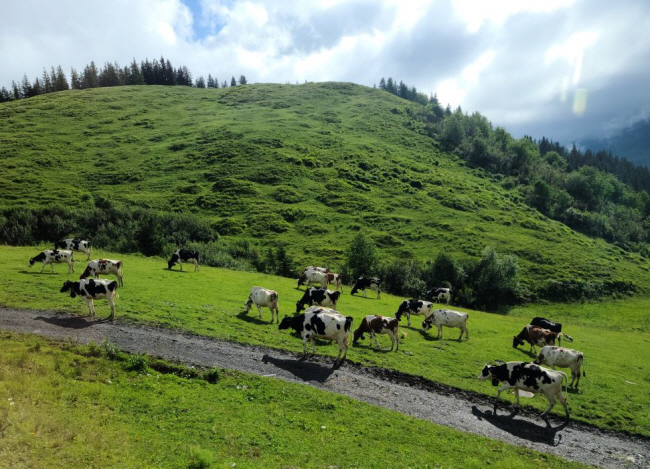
632 143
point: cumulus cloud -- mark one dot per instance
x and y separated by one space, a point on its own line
558 68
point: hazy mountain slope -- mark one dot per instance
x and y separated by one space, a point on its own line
632 143
308 165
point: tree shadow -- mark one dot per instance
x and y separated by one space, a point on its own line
524 429
70 322
302 369
243 315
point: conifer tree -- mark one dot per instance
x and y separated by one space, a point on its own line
75 79
210 83
200 82
135 75
26 87
17 94
242 80
47 82
233 82
4 95
90 76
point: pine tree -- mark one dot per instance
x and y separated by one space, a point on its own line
200 82
108 76
135 75
4 95
17 94
36 87
26 87
210 83
233 82
90 78
224 84
382 84
75 79
242 80
47 83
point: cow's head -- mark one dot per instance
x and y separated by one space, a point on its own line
86 273
516 341
486 373
72 287
358 334
300 306
285 323
426 324
32 261
540 359
248 304
354 289
563 336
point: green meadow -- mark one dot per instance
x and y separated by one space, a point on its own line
613 335
66 405
305 166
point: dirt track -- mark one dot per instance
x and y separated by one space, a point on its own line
463 410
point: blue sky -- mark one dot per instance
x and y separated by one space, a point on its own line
564 69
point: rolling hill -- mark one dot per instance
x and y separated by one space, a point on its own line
308 166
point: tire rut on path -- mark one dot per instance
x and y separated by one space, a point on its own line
463 410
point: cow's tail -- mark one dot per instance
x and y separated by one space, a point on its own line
348 323
582 365
565 379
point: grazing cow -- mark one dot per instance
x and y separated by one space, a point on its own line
416 307
262 297
537 336
320 323
74 244
379 325
54 257
546 324
334 279
184 255
313 275
104 267
563 357
367 282
91 290
439 294
319 296
527 377
448 318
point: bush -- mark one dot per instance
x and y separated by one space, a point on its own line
109 350
211 376
361 257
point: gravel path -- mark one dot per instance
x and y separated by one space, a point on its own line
463 410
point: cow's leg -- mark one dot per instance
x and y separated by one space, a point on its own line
43 268
379 294
563 402
502 388
313 345
111 302
551 404
517 397
345 348
461 334
439 332
392 339
304 344
340 350
466 333
408 317
259 310
91 307
374 336
52 264
365 295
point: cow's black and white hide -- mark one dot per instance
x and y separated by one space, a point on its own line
184 255
318 296
54 257
363 283
91 290
75 244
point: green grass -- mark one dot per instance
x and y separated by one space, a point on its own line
308 166
66 405
613 335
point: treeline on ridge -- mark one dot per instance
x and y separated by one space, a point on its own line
154 72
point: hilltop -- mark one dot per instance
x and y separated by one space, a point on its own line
307 166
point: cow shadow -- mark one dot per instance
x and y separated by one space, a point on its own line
38 272
545 434
179 271
372 348
70 322
302 369
253 319
529 353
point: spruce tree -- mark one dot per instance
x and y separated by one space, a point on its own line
75 79
200 82
47 82
210 83
242 80
233 82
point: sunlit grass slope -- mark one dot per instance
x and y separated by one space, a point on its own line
67 405
308 165
613 336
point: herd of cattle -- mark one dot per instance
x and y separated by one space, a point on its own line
321 320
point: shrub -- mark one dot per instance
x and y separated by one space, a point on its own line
361 257
137 362
211 376
109 350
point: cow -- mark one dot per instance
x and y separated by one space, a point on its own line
439 294
563 357
416 307
537 336
334 279
91 290
527 377
379 325
546 324
54 257
104 267
184 255
322 323
319 296
313 275
261 297
75 244
448 318
367 282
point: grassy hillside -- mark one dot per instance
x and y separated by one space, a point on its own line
210 302
66 405
308 165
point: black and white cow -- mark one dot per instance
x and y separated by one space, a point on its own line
184 255
104 267
362 283
447 318
439 294
527 377
91 290
318 296
416 307
262 297
320 323
54 257
335 279
311 274
546 324
562 357
74 244
379 325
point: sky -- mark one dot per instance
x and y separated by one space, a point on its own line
563 69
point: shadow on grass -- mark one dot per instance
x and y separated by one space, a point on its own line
70 322
521 428
38 272
174 270
371 347
530 354
252 319
302 369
